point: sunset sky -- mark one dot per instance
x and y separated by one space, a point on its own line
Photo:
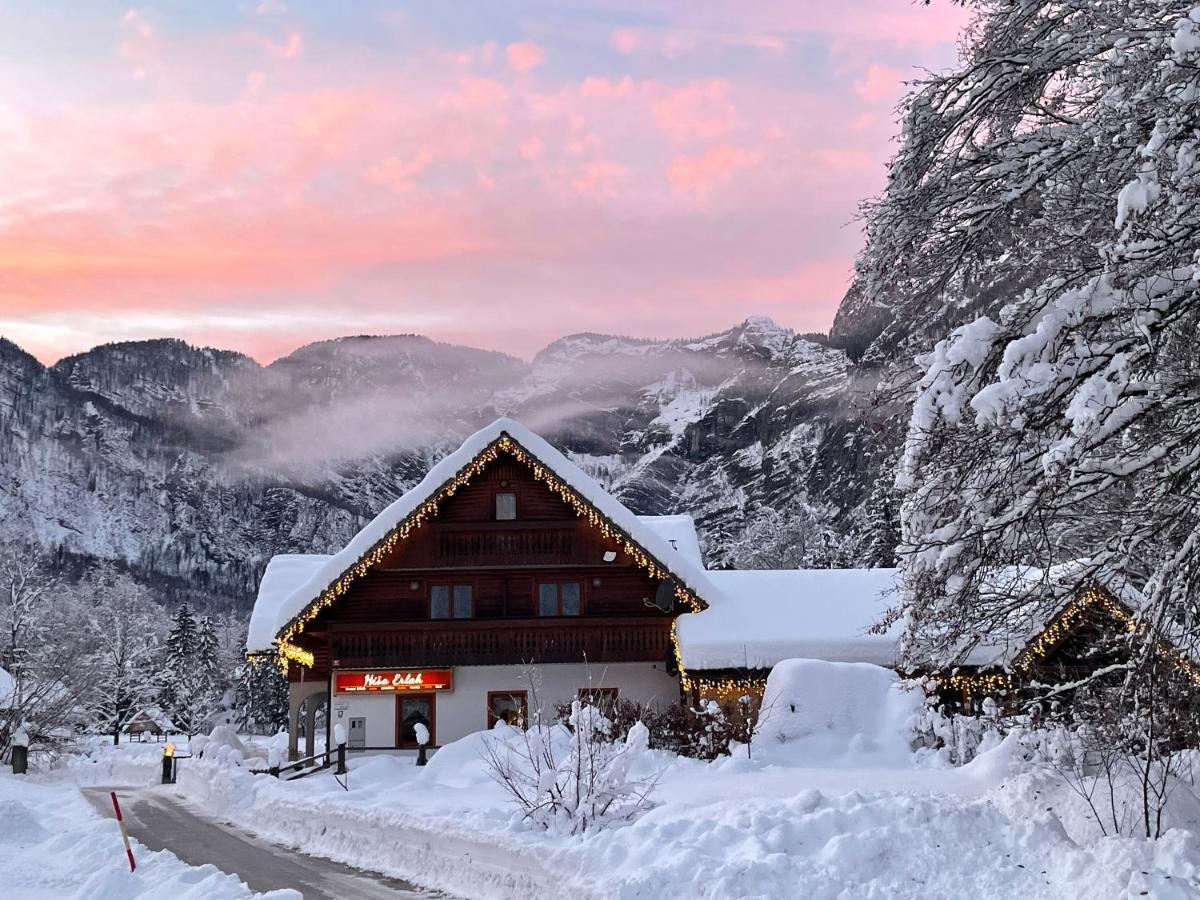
259 174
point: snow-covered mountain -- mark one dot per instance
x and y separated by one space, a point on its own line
195 466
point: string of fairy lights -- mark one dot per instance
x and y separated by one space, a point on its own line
288 651
1052 636
974 683
749 683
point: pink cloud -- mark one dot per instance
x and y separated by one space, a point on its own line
606 88
239 184
599 178
880 83
532 148
524 55
398 174
701 109
625 40
699 175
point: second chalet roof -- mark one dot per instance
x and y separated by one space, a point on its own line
680 563
763 616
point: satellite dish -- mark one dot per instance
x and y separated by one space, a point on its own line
664 597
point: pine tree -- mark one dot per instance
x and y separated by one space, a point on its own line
208 656
188 694
881 532
262 700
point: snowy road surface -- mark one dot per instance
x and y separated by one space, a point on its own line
161 821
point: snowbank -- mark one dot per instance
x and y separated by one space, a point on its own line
828 713
53 844
738 827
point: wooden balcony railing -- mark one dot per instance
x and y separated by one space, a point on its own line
500 642
505 547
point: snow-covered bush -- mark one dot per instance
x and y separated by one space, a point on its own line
705 731
574 778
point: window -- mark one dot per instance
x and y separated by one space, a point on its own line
559 598
509 707
604 699
506 507
450 601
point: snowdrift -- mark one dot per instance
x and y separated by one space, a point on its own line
818 713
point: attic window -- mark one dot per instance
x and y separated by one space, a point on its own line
506 507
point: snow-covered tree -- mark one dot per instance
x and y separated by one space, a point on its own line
262 700
124 627
880 532
208 656
42 648
798 536
1050 181
187 693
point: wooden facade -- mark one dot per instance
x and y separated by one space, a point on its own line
496 574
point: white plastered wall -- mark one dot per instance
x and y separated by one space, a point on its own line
464 710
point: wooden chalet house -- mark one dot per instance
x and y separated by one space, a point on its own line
508 582
505 556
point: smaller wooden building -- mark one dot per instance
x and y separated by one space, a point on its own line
149 722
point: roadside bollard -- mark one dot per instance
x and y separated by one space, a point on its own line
20 751
339 736
168 764
422 735
124 833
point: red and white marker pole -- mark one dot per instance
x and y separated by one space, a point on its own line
124 833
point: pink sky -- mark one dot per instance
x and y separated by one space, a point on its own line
260 173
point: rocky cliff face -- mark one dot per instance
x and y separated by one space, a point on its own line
195 466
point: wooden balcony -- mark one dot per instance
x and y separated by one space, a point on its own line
505 546
492 642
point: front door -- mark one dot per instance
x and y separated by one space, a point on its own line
412 709
358 733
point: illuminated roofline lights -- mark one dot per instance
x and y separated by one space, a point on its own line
287 650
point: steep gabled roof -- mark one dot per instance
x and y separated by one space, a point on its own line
1044 601
333 577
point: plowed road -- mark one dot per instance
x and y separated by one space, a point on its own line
160 821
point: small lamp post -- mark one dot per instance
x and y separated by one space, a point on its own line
422 735
339 738
168 763
20 750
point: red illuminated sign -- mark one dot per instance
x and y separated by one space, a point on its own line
406 680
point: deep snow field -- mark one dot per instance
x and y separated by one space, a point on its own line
830 804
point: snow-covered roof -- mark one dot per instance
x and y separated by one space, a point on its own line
760 617
153 714
1037 596
681 566
283 575
679 532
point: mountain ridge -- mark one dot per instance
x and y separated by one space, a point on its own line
193 466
